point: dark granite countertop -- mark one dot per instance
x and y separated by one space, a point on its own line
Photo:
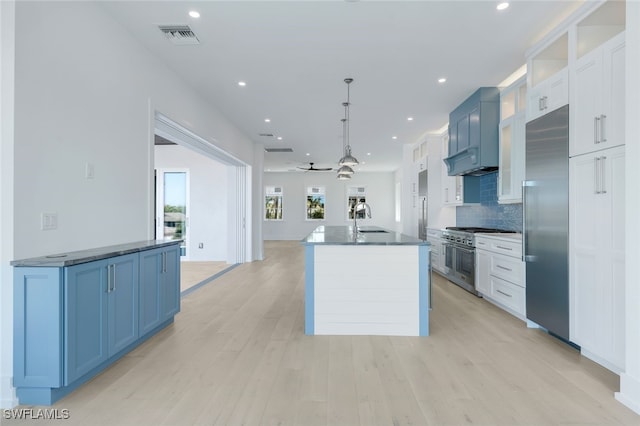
344 235
89 255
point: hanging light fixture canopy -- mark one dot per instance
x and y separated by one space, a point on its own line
347 159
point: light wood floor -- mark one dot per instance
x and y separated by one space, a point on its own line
237 355
192 272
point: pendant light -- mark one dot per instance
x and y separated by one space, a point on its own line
344 172
348 159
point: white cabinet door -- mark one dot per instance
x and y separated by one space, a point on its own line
597 99
511 159
597 255
548 95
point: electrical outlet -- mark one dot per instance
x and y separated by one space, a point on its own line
49 221
201 245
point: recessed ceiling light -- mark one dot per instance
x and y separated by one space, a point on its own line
368 153
267 120
194 14
307 154
242 83
502 6
442 80
394 137
409 118
279 138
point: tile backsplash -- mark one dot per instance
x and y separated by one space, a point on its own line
490 214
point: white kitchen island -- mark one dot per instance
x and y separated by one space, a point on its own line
374 282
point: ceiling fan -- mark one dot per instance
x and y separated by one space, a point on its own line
315 169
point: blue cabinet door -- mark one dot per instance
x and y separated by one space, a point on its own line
86 327
37 327
171 282
122 301
151 266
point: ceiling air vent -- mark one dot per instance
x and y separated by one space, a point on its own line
179 34
278 150
267 135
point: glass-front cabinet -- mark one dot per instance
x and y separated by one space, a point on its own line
511 151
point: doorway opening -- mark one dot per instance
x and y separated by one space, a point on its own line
201 198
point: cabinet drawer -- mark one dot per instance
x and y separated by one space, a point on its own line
507 268
508 294
509 248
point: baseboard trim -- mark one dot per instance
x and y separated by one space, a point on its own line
629 394
8 397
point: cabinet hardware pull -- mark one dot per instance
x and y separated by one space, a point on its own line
110 277
602 128
113 282
603 183
596 173
502 292
544 102
164 262
595 130
504 268
539 104
504 248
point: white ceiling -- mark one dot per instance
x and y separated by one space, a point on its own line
294 56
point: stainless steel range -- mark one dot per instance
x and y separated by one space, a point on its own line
460 254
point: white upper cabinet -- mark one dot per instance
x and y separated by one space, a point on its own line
548 78
597 75
511 153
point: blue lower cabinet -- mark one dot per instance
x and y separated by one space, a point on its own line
170 299
85 322
122 303
37 328
159 295
72 322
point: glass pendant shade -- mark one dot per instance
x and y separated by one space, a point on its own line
343 176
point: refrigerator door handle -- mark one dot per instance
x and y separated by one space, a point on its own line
525 185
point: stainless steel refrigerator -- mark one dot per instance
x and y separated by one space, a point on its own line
423 183
546 221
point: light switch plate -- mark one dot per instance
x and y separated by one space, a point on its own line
49 221
89 172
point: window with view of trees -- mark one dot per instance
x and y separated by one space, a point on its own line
355 194
315 203
273 203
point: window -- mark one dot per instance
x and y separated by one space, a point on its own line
315 202
356 194
273 203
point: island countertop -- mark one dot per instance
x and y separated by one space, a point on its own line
89 255
344 235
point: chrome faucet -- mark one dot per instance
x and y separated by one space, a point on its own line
361 206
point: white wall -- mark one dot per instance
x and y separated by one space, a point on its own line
90 99
207 200
7 40
85 92
294 226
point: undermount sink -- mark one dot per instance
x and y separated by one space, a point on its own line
366 231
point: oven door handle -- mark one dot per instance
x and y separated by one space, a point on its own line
472 251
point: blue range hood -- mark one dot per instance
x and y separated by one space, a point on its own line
473 134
